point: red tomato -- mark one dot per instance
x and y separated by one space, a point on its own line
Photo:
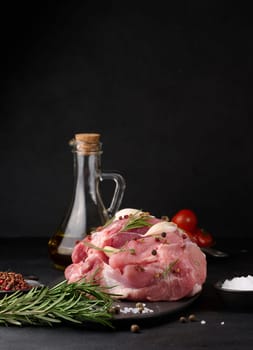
204 239
186 219
193 237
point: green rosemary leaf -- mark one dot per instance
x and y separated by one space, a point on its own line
66 317
41 295
12 321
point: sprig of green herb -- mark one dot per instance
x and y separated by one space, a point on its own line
137 220
109 250
75 303
169 268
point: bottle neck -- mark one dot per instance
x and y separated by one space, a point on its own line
86 158
87 169
86 210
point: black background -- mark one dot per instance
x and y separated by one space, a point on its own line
169 89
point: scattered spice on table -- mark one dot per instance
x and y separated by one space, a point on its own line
135 328
182 319
192 318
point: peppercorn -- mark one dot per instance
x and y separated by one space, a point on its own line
135 328
139 304
163 234
114 310
182 319
192 318
154 252
140 307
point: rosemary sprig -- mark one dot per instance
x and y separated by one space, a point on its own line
106 250
75 303
169 268
109 250
136 220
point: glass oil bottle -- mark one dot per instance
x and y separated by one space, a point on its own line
87 210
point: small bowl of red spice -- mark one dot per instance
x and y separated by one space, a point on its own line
11 282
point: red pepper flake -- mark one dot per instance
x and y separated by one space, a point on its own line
12 281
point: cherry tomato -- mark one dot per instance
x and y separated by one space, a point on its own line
193 237
186 219
204 238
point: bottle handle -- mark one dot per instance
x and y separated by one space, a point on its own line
119 191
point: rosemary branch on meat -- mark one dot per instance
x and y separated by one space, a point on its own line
137 220
169 268
109 250
75 303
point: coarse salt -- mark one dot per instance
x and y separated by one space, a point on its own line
239 283
136 310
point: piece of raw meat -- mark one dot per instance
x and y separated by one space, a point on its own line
140 257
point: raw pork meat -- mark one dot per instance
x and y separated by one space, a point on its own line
140 257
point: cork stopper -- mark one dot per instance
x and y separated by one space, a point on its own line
89 138
87 143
